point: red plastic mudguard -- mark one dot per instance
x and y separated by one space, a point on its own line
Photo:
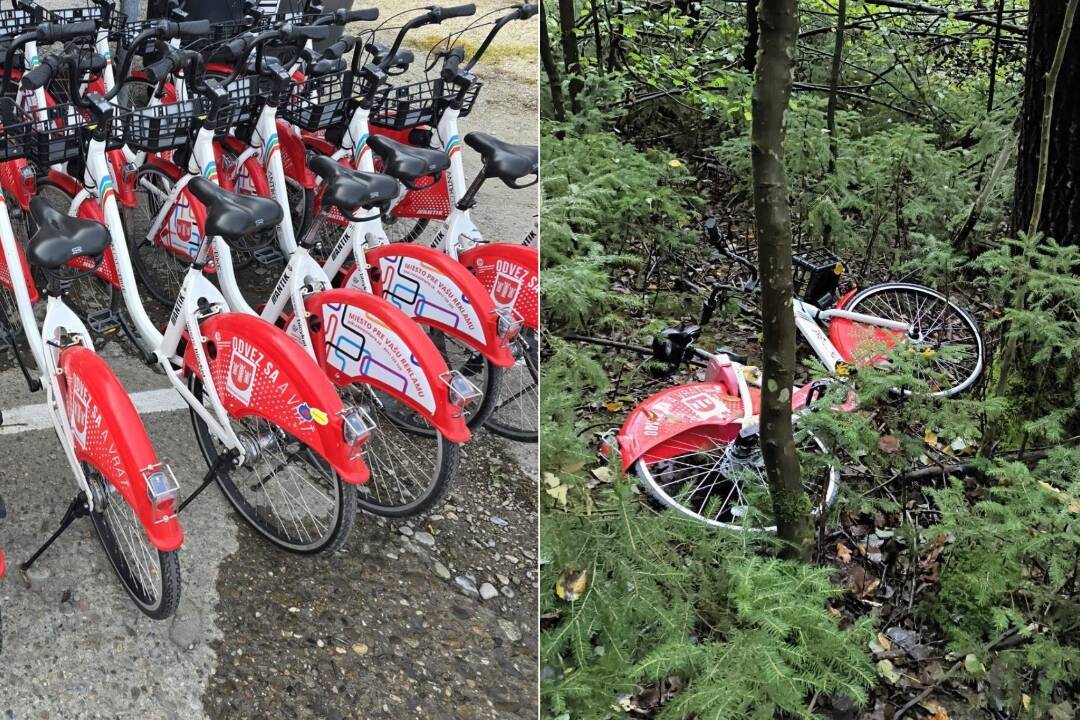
440 292
293 155
857 343
89 209
362 338
700 415
260 371
511 274
110 437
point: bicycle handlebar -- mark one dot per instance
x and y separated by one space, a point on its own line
433 16
521 12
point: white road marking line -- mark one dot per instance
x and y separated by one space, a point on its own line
26 418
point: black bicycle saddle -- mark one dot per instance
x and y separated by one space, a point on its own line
61 238
230 215
348 189
503 160
406 162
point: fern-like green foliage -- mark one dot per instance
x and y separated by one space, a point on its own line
749 635
1012 566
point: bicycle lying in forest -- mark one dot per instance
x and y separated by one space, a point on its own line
695 447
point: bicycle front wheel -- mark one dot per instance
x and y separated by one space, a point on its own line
721 484
478 368
284 489
516 413
945 335
150 577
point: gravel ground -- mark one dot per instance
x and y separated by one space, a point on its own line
391 626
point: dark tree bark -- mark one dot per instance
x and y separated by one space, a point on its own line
1060 214
547 58
750 49
830 109
571 56
779 29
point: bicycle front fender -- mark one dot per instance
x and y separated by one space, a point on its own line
361 338
511 274
260 371
440 292
11 179
698 414
110 437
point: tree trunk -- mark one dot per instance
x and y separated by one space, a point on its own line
571 57
772 89
547 58
830 109
750 49
1060 213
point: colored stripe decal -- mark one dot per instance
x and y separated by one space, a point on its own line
454 146
210 171
361 146
106 188
269 149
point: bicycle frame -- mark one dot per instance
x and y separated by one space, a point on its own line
808 319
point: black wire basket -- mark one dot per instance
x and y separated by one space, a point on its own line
422 103
816 275
16 22
77 12
318 103
241 106
157 128
60 133
14 131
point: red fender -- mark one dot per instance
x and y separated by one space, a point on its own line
857 343
89 209
182 232
511 274
438 291
109 436
698 414
5 276
260 371
362 338
255 180
125 191
318 143
294 155
170 89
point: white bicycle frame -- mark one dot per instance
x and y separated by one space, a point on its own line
808 319
185 316
459 233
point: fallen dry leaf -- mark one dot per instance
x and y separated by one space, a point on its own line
843 552
571 584
888 444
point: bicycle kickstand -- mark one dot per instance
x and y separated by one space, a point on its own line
211 475
76 509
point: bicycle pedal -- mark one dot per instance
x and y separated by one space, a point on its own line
103 322
269 256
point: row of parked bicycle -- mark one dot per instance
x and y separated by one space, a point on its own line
251 214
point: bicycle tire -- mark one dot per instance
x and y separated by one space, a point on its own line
660 482
477 368
847 335
405 230
161 281
163 603
343 512
520 386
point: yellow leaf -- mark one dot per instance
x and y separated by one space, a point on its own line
937 712
888 444
559 493
551 480
842 369
930 437
675 164
843 552
884 642
1026 699
571 584
614 406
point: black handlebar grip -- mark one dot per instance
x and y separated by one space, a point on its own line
237 46
445 13
307 32
338 49
452 62
527 10
52 32
158 71
194 28
38 77
362 15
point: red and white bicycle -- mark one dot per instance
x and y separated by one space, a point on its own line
695 447
129 496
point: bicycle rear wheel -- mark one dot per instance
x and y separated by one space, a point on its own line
721 483
517 410
412 464
150 577
943 333
285 490
478 368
